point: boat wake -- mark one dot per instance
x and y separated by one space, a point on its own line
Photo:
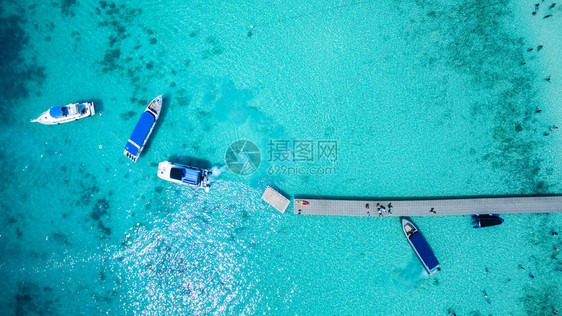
217 170
413 274
197 253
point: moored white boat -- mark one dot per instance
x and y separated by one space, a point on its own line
143 129
66 113
183 174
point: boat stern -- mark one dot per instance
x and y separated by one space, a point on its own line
205 180
434 270
90 107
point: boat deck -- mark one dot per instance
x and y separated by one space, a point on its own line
435 207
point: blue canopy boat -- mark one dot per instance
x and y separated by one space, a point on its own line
421 247
142 131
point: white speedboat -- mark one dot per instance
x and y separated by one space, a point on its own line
66 113
182 174
142 131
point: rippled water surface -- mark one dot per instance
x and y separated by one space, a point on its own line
414 99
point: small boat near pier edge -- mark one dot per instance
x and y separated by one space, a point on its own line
486 220
420 246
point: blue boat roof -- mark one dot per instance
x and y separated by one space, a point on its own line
423 249
143 128
186 175
140 133
55 111
132 149
191 176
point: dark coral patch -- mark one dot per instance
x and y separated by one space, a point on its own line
117 19
184 100
111 56
100 209
110 60
15 71
127 115
104 229
473 42
217 50
66 7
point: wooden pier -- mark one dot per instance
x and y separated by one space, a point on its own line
435 207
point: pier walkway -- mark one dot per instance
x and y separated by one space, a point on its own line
436 207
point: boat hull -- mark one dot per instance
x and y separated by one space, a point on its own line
143 129
66 113
486 220
198 178
420 247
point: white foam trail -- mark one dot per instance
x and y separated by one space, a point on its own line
414 273
217 170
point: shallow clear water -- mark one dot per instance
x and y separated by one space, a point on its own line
422 99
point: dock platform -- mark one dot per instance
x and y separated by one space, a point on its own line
434 207
275 199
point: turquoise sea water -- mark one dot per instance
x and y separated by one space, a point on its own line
423 99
